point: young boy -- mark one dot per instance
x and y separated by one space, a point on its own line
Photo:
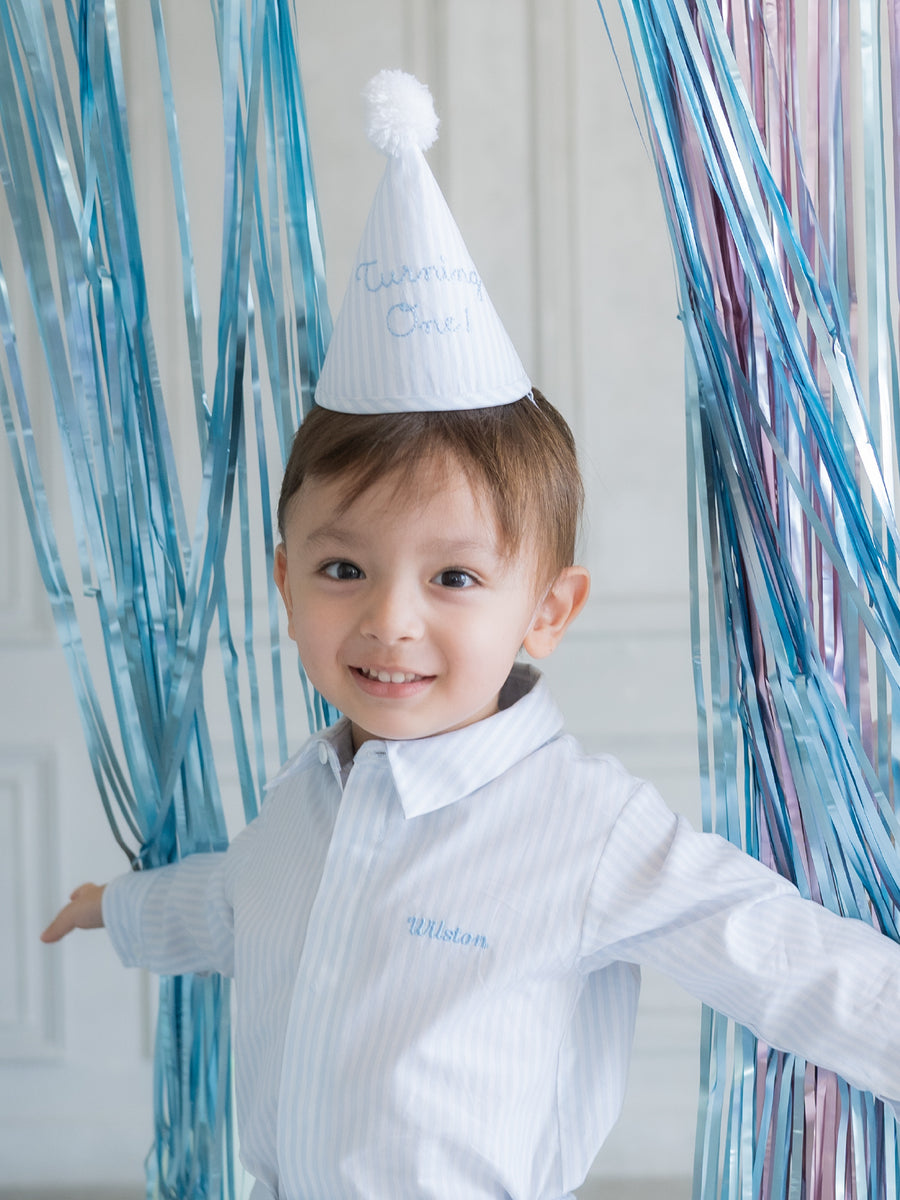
436 923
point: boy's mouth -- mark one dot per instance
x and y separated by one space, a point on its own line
382 676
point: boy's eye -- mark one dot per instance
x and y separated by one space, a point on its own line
454 578
342 570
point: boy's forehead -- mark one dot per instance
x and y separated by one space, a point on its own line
457 516
402 492
446 520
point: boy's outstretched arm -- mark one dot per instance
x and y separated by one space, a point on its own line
84 911
171 920
741 938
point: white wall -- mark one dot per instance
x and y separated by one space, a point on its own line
554 191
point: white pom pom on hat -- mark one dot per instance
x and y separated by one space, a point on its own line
399 113
416 331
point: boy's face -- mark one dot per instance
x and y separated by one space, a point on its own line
407 616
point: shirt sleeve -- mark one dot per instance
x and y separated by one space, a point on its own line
741 938
174 919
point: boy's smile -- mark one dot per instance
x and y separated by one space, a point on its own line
407 614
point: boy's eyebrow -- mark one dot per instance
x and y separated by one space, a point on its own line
451 547
448 546
331 533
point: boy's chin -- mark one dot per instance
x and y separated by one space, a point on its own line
399 730
393 732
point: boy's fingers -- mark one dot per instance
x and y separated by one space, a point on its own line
62 923
84 911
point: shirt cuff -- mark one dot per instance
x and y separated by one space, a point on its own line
123 905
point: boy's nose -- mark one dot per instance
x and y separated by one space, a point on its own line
391 616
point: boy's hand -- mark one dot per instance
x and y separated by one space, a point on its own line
84 911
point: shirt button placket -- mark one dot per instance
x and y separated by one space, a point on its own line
334 938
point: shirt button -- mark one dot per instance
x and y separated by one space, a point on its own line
323 753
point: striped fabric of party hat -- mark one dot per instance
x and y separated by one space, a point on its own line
416 331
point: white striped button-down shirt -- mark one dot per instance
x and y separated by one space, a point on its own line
437 960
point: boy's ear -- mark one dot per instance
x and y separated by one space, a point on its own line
563 602
283 583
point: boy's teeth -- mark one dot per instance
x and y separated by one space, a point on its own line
389 676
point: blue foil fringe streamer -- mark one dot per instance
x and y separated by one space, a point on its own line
792 464
65 168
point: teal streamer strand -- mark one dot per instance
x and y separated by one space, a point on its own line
190 289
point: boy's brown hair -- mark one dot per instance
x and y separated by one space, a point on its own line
520 456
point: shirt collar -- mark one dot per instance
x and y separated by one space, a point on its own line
430 773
